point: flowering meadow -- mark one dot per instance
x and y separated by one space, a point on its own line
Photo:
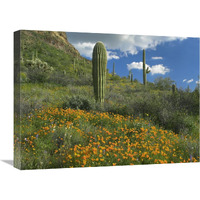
62 138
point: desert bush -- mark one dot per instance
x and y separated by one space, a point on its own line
115 78
78 102
115 96
60 78
65 79
38 71
189 101
169 111
23 77
163 83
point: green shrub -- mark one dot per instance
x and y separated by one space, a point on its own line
23 77
78 102
172 112
163 83
115 78
38 71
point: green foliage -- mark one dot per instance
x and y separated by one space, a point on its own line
38 71
173 88
115 78
169 111
57 53
78 102
99 63
135 81
23 77
163 83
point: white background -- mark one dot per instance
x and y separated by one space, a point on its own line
147 17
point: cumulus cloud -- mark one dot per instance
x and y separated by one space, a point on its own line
126 44
112 55
184 80
155 69
157 58
136 65
191 80
159 69
198 82
85 48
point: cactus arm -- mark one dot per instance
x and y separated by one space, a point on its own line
148 70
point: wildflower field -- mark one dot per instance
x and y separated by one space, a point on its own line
58 138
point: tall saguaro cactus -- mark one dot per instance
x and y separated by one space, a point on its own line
131 77
144 69
113 74
99 63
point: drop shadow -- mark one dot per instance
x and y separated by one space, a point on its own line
10 162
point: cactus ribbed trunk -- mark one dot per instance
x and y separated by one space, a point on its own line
99 63
144 69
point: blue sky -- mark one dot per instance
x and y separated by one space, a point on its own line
174 57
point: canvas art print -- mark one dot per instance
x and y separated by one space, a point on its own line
89 99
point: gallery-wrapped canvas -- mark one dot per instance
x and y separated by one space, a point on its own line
88 99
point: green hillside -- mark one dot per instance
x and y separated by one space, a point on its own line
52 49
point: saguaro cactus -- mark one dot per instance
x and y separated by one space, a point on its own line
144 69
99 63
113 69
173 88
131 77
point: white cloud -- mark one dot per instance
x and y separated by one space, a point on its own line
184 80
159 69
85 48
191 80
112 55
126 44
136 65
155 69
157 58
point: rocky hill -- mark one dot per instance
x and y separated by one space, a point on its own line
52 49
53 38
